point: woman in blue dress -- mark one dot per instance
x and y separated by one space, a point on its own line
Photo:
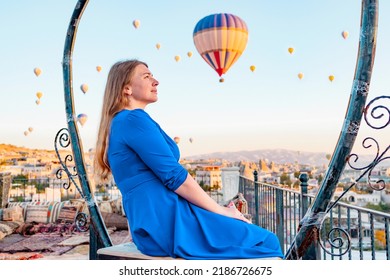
168 212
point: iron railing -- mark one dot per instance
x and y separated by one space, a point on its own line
280 211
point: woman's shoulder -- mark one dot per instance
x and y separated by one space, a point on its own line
135 118
131 115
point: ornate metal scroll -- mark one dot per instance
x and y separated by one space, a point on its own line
98 226
336 241
62 139
306 244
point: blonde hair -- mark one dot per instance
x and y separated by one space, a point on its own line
114 101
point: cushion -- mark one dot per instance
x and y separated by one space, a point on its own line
105 206
5 230
117 206
115 220
67 214
37 213
54 210
112 206
14 214
9 227
79 203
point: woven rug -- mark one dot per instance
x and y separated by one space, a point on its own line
36 243
10 240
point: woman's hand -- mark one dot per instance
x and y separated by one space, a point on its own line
193 193
234 213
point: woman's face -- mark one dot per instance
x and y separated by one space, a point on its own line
143 88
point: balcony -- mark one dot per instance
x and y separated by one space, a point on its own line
280 210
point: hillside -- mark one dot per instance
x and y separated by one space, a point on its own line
279 156
12 151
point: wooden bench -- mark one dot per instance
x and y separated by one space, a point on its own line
126 251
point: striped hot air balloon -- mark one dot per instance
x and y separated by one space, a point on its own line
220 39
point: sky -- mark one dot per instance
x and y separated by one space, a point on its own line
270 108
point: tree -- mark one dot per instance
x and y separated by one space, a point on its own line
40 186
285 179
216 186
19 178
192 172
383 207
320 178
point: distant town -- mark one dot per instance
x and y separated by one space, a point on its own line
35 175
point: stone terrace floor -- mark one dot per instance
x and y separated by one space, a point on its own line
54 246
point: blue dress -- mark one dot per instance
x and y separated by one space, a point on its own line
145 167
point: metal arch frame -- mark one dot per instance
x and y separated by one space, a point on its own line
98 230
306 243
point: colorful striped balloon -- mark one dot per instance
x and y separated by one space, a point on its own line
220 39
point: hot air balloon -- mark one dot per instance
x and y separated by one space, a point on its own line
37 101
291 50
25 133
37 71
345 34
220 39
331 78
253 68
300 76
191 140
84 88
189 54
82 118
176 139
136 23
328 156
98 68
30 129
39 94
158 46
177 58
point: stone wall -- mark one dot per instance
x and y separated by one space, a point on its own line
230 182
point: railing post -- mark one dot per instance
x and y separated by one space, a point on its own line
304 178
280 217
256 186
94 244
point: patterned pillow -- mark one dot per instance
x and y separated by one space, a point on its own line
5 230
67 214
105 206
13 214
37 213
79 203
54 210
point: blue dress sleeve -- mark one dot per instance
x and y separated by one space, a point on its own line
145 138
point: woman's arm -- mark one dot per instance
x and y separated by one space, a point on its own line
192 192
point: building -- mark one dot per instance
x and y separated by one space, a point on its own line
359 199
209 176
